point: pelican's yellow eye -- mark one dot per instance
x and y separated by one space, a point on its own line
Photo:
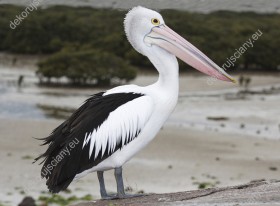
155 21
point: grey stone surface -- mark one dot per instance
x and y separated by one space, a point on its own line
255 193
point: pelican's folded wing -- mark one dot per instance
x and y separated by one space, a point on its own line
100 127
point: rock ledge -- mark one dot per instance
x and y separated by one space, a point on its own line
255 193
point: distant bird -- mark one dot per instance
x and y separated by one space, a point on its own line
112 126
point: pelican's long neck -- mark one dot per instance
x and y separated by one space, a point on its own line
167 66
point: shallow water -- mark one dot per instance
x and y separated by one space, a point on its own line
256 114
204 6
23 101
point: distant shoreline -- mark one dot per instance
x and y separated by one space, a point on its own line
201 6
29 61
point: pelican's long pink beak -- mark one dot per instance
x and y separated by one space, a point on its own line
169 40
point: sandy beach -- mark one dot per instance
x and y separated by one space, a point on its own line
177 160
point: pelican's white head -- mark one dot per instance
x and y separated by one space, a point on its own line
146 30
139 22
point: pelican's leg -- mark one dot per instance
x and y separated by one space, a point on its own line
103 191
120 187
119 180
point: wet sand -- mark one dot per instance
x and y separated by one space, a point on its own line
178 159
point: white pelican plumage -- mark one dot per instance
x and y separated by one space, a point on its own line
112 126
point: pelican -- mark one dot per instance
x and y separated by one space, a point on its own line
112 126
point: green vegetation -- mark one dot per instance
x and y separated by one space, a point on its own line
88 67
204 185
55 199
27 157
88 45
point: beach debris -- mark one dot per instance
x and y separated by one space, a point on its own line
128 189
22 192
141 192
273 168
27 157
204 185
27 201
218 118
